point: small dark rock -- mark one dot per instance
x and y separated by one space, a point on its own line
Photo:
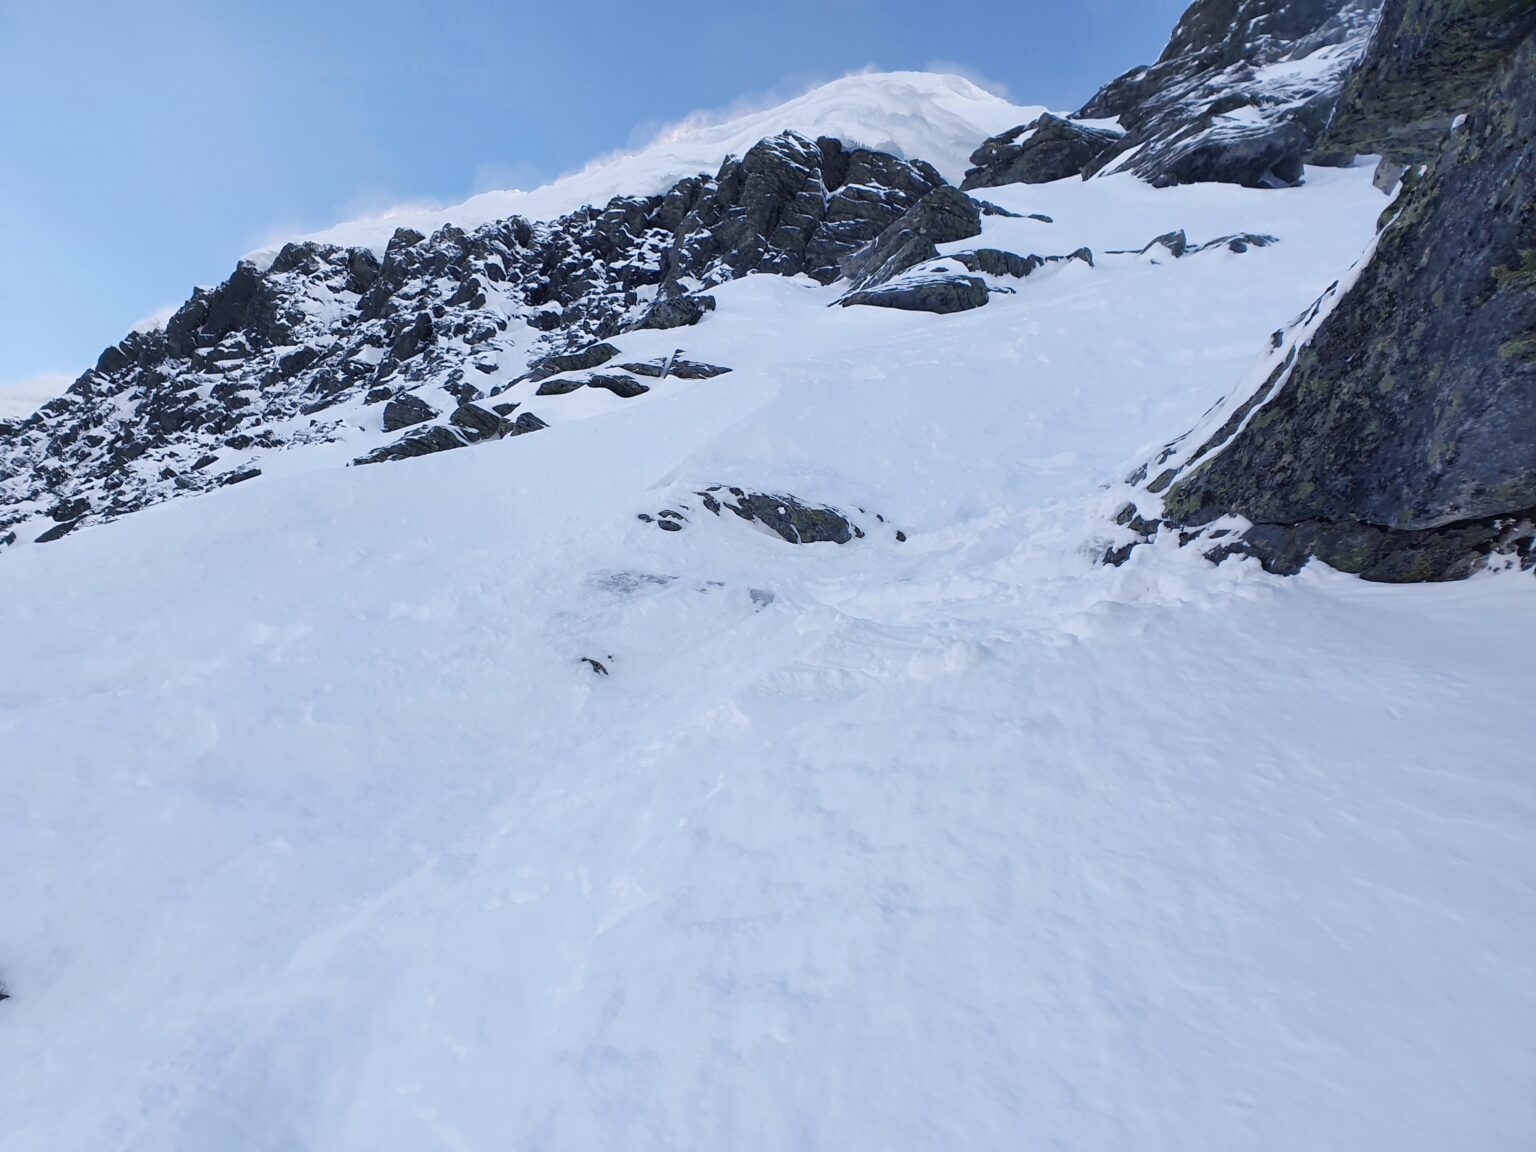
619 385
996 262
525 423
693 370
791 519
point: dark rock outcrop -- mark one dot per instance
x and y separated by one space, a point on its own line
594 356
526 422
1177 245
1047 149
405 411
1430 61
1400 441
788 517
996 262
423 442
281 355
477 423
1220 105
677 312
932 293
940 217
617 383
693 370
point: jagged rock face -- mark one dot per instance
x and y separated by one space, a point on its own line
1048 149
260 362
1413 409
941 217
1240 95
1430 62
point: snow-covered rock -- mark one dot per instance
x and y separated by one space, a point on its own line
1240 95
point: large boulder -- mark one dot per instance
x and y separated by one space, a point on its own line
935 293
406 411
477 423
676 312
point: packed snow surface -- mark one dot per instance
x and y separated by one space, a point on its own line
317 833
915 115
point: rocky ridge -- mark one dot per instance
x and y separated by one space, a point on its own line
283 355
1394 432
1241 95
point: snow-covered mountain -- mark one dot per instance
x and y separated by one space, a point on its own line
910 115
754 646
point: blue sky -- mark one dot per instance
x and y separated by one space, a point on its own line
147 144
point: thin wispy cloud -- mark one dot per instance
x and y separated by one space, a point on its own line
651 133
21 398
966 72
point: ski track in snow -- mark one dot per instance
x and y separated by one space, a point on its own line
315 834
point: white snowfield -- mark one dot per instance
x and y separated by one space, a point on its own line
316 832
915 115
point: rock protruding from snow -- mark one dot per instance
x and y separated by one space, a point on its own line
406 411
931 292
1399 440
1050 148
285 354
941 217
1240 95
677 312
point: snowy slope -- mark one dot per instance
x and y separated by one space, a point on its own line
914 115
316 833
